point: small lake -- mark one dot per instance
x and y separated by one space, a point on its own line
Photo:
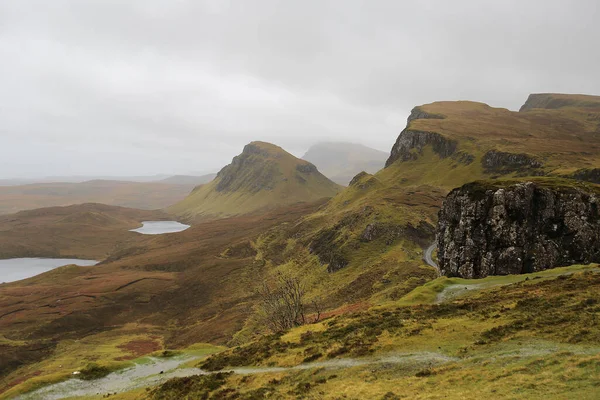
15 269
160 227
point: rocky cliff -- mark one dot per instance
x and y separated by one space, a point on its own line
499 162
494 228
410 142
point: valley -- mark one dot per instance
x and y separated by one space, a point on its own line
188 285
141 195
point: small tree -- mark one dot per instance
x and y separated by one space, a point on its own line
282 303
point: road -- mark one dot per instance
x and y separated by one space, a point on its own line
427 256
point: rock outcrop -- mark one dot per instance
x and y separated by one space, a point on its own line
410 144
499 162
490 228
419 113
588 175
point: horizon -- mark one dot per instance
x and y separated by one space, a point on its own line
164 174
156 87
158 175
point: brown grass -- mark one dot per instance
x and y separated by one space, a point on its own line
565 137
143 195
89 231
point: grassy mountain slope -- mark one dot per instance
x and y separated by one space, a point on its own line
360 257
552 101
365 246
164 291
341 161
263 176
144 195
448 144
560 139
526 337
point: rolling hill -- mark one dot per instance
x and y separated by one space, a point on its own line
340 161
143 195
189 179
88 230
360 259
263 176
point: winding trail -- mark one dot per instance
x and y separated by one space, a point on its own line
428 256
157 371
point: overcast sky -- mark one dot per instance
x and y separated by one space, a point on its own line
124 87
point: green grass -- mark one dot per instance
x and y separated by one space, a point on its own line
535 338
429 293
266 177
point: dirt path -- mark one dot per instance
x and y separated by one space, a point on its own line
157 371
428 256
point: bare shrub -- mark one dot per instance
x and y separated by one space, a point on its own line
283 305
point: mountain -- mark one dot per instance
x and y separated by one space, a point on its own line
188 179
486 141
551 101
144 195
341 161
263 176
375 309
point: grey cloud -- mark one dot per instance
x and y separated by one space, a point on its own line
133 87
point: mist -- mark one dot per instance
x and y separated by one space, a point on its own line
161 87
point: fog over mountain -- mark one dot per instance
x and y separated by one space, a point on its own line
144 87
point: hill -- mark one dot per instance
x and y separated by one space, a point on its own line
263 176
88 231
360 259
143 195
552 101
188 179
340 161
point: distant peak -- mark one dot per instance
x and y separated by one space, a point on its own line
551 101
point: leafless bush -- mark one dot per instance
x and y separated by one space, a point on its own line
283 305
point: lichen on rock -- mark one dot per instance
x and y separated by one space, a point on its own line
495 228
505 163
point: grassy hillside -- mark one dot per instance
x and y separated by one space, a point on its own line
341 161
143 195
88 231
533 337
359 256
444 145
165 291
561 139
263 176
557 100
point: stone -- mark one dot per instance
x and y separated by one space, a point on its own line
499 229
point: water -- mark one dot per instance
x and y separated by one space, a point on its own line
15 269
160 227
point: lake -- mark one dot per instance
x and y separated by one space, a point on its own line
15 269
160 227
